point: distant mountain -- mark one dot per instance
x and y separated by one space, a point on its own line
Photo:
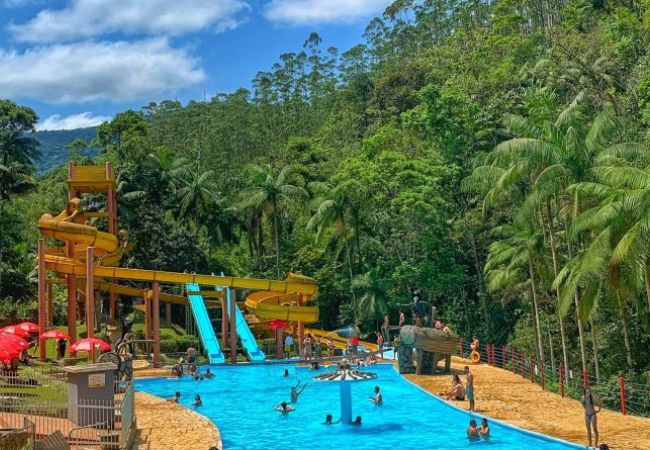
53 152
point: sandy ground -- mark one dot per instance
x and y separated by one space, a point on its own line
511 398
165 426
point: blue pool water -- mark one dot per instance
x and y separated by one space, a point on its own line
240 401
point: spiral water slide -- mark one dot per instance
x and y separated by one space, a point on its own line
281 306
108 252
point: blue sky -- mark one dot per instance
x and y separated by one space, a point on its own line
78 62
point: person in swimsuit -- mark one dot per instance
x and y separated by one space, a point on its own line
385 328
472 430
380 344
329 420
484 431
457 391
285 373
296 390
469 390
591 415
175 398
377 398
357 421
402 319
208 374
284 408
197 401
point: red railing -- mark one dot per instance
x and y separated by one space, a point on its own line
617 394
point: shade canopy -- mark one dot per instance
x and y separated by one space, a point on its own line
13 329
54 334
8 350
346 374
15 341
29 327
86 345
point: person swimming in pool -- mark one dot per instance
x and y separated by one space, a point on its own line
329 420
208 374
472 430
197 401
591 414
284 408
175 398
286 373
484 431
357 421
296 390
377 398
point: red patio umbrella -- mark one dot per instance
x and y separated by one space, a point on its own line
14 340
9 351
277 324
29 327
54 334
87 344
13 329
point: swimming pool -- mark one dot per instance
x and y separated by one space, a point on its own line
240 400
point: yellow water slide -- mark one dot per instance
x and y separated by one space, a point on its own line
284 306
338 340
64 227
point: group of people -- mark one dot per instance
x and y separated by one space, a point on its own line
192 372
311 347
284 408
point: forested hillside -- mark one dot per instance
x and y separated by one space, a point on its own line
491 154
55 146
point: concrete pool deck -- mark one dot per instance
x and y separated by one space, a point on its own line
163 425
515 400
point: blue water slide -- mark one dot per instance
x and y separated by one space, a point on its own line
204 325
245 334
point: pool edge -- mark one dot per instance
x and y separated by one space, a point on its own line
500 422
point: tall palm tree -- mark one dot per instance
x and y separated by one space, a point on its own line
373 303
547 157
269 193
334 208
195 191
511 268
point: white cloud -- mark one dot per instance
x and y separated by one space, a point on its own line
82 120
313 11
84 19
90 71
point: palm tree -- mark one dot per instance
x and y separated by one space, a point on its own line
195 190
372 304
511 268
334 208
269 193
547 158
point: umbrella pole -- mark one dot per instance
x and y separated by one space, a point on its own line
90 300
42 306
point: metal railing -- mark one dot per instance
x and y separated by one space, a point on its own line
87 423
618 393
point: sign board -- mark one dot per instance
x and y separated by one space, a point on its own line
96 380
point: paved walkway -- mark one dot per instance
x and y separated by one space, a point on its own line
164 426
511 398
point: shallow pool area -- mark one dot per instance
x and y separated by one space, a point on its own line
240 400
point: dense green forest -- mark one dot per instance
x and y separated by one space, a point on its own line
491 154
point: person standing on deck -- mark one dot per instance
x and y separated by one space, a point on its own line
288 344
469 389
385 328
